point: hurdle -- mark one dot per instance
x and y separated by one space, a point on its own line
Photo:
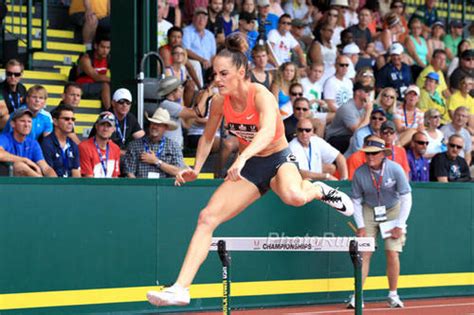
352 245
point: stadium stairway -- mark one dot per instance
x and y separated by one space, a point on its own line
51 68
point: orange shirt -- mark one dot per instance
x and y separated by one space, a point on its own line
246 124
358 159
99 7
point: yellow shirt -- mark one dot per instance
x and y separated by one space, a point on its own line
456 100
442 86
426 102
99 7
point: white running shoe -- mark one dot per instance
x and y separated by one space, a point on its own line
352 303
394 302
336 199
174 295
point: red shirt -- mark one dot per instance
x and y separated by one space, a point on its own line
358 159
246 124
99 65
91 164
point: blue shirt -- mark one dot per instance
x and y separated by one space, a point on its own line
390 76
29 148
62 161
357 140
40 124
419 168
203 46
271 23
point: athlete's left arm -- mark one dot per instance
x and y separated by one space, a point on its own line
267 108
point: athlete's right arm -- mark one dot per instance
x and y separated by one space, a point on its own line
205 142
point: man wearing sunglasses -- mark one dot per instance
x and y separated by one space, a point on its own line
312 152
458 126
60 152
13 91
382 201
377 118
465 69
419 165
449 166
127 127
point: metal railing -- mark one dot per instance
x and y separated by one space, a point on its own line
17 18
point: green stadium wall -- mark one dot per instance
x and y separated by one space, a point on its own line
82 246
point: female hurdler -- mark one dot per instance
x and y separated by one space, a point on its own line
264 161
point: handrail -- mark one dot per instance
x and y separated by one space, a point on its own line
29 26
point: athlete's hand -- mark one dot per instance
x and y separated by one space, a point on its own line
233 173
185 175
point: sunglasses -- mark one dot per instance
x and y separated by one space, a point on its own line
304 109
467 59
124 102
13 74
422 142
178 53
453 146
68 118
333 15
389 96
285 23
377 118
398 6
388 132
308 130
296 94
343 65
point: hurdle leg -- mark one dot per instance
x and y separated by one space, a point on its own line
357 262
225 260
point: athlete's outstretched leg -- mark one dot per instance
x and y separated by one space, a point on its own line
229 200
293 190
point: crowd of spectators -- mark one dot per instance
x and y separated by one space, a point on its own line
340 70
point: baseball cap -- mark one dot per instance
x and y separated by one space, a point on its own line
360 86
378 110
299 23
247 16
263 3
351 49
412 88
437 23
456 23
467 54
200 10
388 125
21 112
122 94
107 117
396 49
433 76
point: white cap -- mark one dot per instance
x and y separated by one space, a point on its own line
412 88
263 3
351 49
342 3
122 94
396 49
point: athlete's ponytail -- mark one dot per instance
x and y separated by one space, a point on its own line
235 47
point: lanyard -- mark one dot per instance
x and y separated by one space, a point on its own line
119 130
310 156
101 157
378 184
398 73
406 118
15 107
65 157
160 148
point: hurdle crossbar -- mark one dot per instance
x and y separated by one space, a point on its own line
351 245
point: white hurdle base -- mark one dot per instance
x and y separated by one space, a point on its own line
294 244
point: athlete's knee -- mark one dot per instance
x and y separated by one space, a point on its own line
294 198
208 218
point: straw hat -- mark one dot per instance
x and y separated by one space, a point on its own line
168 85
161 116
375 144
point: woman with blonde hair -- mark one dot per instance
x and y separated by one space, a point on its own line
285 76
179 57
435 136
387 100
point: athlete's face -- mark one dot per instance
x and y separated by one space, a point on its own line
226 75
